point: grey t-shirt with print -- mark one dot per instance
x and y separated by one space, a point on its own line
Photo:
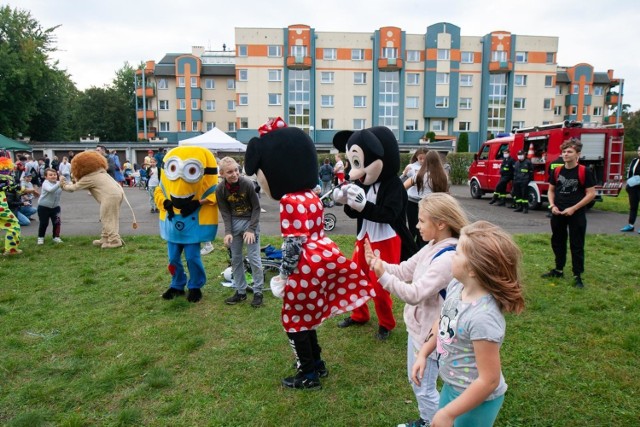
462 323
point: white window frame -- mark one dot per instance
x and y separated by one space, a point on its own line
326 101
210 105
575 89
359 78
464 126
442 78
558 90
231 84
243 50
465 103
231 105
194 104
548 81
413 79
194 126
557 110
467 57
243 74
585 110
466 80
546 103
597 111
210 125
573 110
438 125
329 54
412 102
275 99
163 84
326 124
357 54
519 124
359 101
550 58
209 84
413 56
299 51
389 53
244 122
163 104
444 54
231 126
359 124
498 56
598 91
182 104
243 99
326 77
274 51
165 127
181 81
411 124
519 103
586 89
194 82
274 75
522 57
182 126
441 102
520 80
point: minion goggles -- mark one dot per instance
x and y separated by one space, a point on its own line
191 170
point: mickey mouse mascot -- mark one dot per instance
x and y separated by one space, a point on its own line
316 280
377 199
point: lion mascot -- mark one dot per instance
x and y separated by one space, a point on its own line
89 171
186 198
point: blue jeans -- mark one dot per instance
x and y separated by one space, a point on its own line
240 225
23 220
197 274
426 393
28 211
483 415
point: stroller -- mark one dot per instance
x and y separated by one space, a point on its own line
271 261
329 218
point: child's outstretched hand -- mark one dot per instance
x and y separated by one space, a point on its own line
417 371
373 261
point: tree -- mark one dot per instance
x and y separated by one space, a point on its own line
631 123
24 56
52 119
463 142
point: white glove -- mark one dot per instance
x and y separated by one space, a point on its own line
277 286
356 198
340 195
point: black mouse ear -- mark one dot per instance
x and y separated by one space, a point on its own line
252 156
340 140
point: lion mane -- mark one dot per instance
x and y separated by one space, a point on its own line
87 162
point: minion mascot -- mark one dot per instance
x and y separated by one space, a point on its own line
378 201
89 170
8 220
316 280
186 198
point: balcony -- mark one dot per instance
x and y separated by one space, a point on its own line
500 66
610 120
149 91
150 114
299 62
389 64
612 99
151 133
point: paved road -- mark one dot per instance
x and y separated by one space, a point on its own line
80 216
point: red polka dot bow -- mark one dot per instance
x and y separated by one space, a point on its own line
272 125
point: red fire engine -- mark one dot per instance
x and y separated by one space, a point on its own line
602 153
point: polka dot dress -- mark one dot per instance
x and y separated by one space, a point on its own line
325 283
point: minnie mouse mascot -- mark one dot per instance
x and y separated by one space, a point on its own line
316 280
378 201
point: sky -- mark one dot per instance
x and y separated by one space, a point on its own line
97 37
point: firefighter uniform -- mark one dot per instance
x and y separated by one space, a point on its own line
522 175
506 175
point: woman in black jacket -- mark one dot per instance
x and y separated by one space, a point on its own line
633 191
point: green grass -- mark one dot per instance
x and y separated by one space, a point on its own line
618 204
85 339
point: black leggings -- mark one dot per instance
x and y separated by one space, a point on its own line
412 220
306 349
634 198
45 215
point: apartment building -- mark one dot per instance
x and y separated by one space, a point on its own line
324 82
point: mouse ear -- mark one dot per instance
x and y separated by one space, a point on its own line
252 156
340 140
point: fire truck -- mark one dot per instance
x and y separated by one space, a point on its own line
602 154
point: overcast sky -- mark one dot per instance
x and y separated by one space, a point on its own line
96 37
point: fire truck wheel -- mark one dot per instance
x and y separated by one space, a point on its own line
533 199
476 191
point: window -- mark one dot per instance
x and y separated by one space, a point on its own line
557 110
598 90
329 54
274 51
209 84
597 111
437 125
464 126
181 81
442 78
442 102
183 126
275 99
412 101
326 123
275 75
518 124
575 89
231 105
413 56
548 81
244 123
243 99
357 54
466 57
413 79
242 50
210 125
194 82
359 124
210 105
231 126
520 80
551 58
163 84
298 51
519 103
326 100
573 110
194 104
586 89
466 79
243 74
389 52
194 126
359 78
546 104
326 77
522 57
558 90
163 104
182 104
410 125
585 110
164 127
443 54
359 101
465 103
498 56
231 84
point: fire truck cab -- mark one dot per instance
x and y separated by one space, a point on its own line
602 154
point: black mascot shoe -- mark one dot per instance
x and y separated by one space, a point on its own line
348 321
303 381
194 295
171 293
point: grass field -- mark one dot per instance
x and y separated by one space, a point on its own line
85 339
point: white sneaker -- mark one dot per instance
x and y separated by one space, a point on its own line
41 240
57 240
262 210
206 249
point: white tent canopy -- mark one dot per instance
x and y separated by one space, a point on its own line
216 140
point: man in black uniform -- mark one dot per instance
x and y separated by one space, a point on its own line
506 175
522 175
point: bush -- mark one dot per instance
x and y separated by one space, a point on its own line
460 163
463 142
431 136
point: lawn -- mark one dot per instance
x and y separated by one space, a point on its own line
619 204
85 339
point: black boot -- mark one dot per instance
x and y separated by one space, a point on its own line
519 207
502 201
525 205
494 200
